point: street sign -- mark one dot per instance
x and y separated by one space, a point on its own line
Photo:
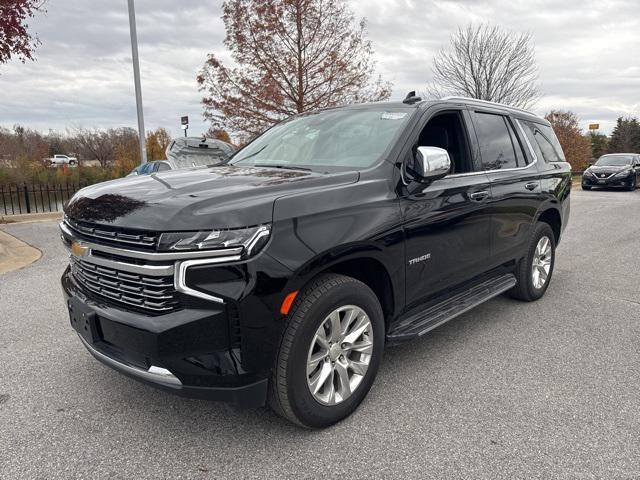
594 126
185 124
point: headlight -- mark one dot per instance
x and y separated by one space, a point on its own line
624 173
588 173
252 239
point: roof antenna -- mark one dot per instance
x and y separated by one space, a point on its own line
411 98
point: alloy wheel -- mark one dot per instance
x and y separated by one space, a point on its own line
339 355
541 262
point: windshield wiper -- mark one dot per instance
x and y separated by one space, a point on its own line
285 167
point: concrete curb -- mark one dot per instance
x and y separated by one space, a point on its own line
15 254
30 217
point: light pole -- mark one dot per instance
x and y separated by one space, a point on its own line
136 79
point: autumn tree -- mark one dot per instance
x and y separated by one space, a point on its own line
625 137
290 56
157 142
126 150
218 134
15 39
487 63
576 147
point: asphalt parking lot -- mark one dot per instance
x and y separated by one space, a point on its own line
510 390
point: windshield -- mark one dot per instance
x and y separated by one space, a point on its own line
614 160
326 141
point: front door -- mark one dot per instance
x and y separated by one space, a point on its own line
446 222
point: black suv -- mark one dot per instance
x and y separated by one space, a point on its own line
280 277
619 170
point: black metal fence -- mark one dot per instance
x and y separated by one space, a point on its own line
37 198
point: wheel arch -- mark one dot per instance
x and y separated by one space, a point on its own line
366 267
552 217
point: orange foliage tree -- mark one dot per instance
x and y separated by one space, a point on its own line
290 56
156 143
576 147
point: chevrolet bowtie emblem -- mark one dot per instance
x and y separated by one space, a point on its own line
78 249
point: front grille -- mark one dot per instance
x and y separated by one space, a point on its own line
121 237
603 175
149 294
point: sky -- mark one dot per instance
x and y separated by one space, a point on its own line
588 55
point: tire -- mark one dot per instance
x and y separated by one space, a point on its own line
586 188
526 289
633 185
290 393
72 163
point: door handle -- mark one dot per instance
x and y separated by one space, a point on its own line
479 195
531 186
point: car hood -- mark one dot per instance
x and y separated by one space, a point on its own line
197 198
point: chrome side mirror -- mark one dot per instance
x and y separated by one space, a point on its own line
431 163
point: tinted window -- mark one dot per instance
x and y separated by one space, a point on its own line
494 139
614 160
543 137
517 145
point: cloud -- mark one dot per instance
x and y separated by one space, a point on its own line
586 52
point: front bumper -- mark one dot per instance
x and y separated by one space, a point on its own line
186 352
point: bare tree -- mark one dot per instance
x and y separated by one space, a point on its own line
487 63
291 56
94 145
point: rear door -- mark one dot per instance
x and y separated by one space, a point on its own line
515 182
447 221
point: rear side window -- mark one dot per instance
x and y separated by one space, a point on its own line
163 166
496 142
543 137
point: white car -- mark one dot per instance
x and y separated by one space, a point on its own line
61 160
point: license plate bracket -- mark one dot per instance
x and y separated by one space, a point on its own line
83 320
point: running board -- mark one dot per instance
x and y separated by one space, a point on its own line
420 323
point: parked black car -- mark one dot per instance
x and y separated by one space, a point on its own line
617 170
187 152
281 277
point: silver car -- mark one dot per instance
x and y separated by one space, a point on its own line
189 152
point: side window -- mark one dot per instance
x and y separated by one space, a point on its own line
163 167
446 130
495 142
517 145
543 137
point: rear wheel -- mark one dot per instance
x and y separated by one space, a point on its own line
330 352
535 269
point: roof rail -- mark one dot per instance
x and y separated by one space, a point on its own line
487 102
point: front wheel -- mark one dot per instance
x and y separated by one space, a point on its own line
534 271
330 352
585 187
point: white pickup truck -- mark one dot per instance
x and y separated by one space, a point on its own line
61 160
